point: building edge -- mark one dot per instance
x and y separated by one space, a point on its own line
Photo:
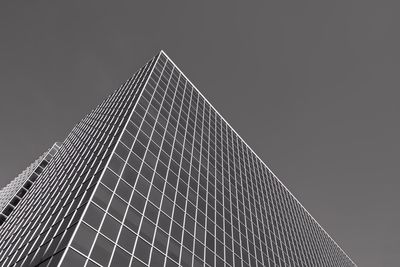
155 58
275 176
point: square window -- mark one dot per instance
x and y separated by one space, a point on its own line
132 128
179 215
161 169
73 258
84 238
93 216
176 231
146 128
200 232
127 239
169 191
136 119
164 222
138 202
122 151
143 138
146 172
173 250
135 161
132 219
110 179
147 230
186 259
102 250
159 182
150 159
199 250
198 263
172 178
171 263
110 227
155 196
151 212
102 196
124 190
142 250
157 259
116 164
142 186
139 149
153 147
117 208
137 263
167 206
188 240
127 139
129 175
120 258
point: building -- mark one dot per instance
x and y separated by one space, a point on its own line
13 192
154 176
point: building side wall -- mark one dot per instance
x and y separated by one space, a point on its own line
11 195
38 231
11 188
183 189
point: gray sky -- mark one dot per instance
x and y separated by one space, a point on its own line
312 86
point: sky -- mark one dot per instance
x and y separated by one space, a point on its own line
311 86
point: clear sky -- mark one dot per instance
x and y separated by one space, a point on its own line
312 86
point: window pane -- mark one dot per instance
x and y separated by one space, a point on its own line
117 207
186 259
127 239
109 179
84 238
122 151
137 263
173 250
142 186
116 164
132 219
151 212
120 258
110 227
129 175
94 216
138 201
127 139
91 264
134 161
160 241
164 222
102 250
157 259
73 258
142 250
155 196
102 196
147 230
124 190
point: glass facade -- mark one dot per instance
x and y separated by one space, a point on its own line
38 231
154 176
12 193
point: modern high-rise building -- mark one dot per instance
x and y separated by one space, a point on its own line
12 193
154 176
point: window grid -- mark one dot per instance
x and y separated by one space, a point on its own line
220 204
41 225
172 185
